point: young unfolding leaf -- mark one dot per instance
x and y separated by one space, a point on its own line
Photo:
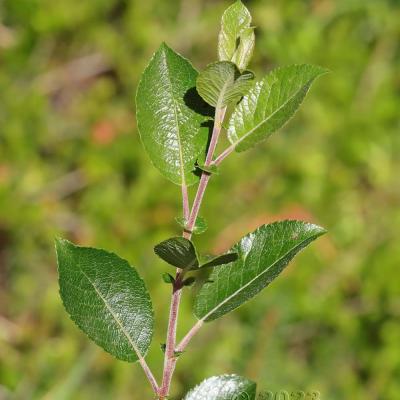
270 103
169 116
106 298
263 254
215 261
200 225
168 278
179 252
224 387
221 84
236 38
244 50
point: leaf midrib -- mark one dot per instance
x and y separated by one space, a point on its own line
251 281
183 180
234 144
132 343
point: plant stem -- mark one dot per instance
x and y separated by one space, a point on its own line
169 359
185 202
205 176
224 154
170 347
149 375
185 341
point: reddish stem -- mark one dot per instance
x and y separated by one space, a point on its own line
170 349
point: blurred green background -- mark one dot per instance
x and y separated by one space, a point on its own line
71 164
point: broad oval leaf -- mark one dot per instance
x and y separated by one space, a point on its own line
221 84
171 116
106 298
178 252
263 254
224 387
270 103
236 37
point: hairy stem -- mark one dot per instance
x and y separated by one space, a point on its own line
185 202
170 360
170 348
185 341
224 154
149 375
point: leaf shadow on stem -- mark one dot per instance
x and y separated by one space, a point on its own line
194 101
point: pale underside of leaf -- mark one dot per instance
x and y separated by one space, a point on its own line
263 254
235 27
223 387
106 298
171 116
270 103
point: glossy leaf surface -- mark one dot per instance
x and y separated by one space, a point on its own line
236 38
263 254
179 252
224 387
106 298
270 103
171 116
221 84
218 260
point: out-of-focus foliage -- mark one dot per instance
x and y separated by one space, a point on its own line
71 164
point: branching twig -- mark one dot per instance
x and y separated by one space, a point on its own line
170 348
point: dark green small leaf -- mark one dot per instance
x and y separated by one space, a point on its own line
221 84
224 387
168 278
189 281
211 169
106 298
218 260
179 252
236 38
263 254
163 347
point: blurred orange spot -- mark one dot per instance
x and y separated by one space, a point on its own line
104 132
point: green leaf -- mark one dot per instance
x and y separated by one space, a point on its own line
270 103
200 225
218 260
106 298
224 387
236 37
221 84
179 252
211 169
171 116
263 254
244 51
168 278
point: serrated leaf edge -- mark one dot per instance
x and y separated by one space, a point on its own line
140 356
320 233
305 87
